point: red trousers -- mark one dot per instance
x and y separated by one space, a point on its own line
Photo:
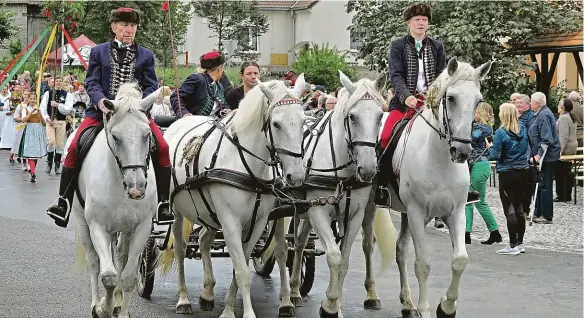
396 115
162 157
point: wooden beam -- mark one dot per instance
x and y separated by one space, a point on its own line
544 67
579 65
552 70
537 71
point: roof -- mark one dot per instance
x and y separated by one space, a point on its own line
553 42
80 41
280 5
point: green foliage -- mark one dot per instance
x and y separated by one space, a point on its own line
63 12
471 31
7 27
15 47
321 65
233 20
153 32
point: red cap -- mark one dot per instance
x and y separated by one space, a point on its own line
211 55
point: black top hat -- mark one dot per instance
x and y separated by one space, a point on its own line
416 10
211 60
129 15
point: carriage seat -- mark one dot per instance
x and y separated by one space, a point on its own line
85 142
164 121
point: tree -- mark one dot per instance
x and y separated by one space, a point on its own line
233 20
7 27
472 31
321 65
61 12
153 32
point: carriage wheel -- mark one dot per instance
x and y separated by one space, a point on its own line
307 269
262 265
146 270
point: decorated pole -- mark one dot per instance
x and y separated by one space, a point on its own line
44 59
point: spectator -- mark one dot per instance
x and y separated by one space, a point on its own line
480 171
568 145
543 137
577 114
250 73
508 148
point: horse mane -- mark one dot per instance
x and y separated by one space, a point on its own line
464 71
128 101
253 109
346 101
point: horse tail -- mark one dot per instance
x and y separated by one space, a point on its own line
80 257
272 247
386 237
166 259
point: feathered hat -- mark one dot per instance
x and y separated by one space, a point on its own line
417 10
129 15
211 60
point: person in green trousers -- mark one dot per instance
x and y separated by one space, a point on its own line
480 171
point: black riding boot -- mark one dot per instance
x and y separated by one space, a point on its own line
60 211
163 175
382 198
50 157
58 157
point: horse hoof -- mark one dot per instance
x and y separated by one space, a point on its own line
206 305
94 313
373 304
411 313
185 309
286 312
323 314
441 314
117 311
296 301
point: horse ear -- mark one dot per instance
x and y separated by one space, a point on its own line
299 86
267 92
483 70
347 84
150 99
452 66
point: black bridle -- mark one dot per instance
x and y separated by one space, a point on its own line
121 167
447 134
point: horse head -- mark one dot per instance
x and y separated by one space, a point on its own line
129 137
454 97
281 117
359 104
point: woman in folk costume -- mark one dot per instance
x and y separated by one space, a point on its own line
7 136
33 144
111 64
19 128
202 93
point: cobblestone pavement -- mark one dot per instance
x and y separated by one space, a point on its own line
565 234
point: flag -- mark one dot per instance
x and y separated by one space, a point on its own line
165 5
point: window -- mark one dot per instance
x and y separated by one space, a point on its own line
250 40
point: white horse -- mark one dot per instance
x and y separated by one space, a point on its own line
434 180
118 188
341 163
268 127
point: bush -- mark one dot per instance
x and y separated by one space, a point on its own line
321 66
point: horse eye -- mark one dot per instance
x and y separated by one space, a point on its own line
352 117
276 125
451 99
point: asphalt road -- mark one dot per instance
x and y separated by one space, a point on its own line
38 279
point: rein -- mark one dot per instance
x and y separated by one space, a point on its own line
118 162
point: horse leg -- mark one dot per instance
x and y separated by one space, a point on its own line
109 277
281 253
372 300
183 306
134 244
207 298
90 256
401 257
456 227
321 221
417 221
240 254
354 225
302 233
122 249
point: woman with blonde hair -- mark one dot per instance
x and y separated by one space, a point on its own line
480 171
509 148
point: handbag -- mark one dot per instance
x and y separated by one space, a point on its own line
534 175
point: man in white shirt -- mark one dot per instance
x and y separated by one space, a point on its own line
56 104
